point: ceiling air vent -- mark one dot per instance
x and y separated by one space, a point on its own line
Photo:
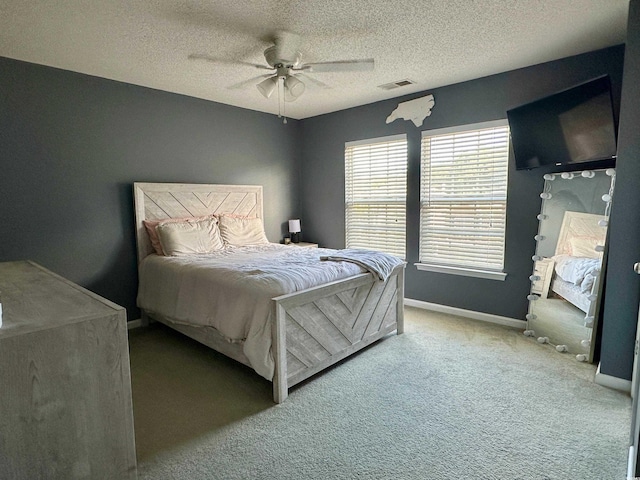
398 84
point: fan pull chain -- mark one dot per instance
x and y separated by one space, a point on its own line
280 96
284 104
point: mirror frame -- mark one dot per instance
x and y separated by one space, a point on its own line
592 314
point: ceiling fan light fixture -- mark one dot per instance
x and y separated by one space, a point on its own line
293 88
268 86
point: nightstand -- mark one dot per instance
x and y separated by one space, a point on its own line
305 245
543 269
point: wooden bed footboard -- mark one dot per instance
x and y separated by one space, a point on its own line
318 327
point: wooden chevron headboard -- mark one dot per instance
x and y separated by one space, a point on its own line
584 226
157 201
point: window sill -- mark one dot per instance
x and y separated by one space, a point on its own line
464 271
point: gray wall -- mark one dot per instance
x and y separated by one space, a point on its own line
623 285
72 145
322 173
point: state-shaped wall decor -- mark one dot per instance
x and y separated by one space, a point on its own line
415 110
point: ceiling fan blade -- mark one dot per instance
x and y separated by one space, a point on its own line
316 82
287 44
362 65
250 81
209 58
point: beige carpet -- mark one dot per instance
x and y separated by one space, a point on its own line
450 399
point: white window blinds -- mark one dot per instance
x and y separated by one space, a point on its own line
463 196
376 194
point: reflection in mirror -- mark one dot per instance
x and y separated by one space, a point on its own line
568 263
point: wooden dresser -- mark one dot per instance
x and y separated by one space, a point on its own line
65 383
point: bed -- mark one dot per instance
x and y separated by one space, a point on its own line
303 331
578 258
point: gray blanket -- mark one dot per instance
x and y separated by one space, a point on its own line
378 263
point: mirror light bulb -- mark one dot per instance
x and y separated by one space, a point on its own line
545 195
536 258
532 297
541 217
539 237
588 174
606 197
549 176
567 175
611 172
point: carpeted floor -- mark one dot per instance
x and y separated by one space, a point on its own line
452 398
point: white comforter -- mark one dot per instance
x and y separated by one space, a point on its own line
580 271
234 297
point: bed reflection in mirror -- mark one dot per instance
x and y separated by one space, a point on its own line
568 264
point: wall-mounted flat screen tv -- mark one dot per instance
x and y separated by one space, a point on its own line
574 126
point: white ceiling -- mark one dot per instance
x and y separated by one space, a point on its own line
432 42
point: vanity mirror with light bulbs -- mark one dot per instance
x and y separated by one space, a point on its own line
569 261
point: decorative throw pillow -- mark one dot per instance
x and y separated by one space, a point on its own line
240 231
150 226
189 238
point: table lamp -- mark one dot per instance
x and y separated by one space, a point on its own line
294 230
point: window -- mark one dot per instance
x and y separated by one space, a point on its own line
376 194
463 199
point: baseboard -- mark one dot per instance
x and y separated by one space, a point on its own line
484 317
134 324
610 381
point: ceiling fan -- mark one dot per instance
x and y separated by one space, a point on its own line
284 59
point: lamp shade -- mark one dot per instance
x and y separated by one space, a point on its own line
294 226
267 86
293 88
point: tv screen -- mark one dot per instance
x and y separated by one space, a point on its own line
574 126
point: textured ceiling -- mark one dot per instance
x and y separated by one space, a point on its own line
433 43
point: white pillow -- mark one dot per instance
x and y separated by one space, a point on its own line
188 238
240 231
